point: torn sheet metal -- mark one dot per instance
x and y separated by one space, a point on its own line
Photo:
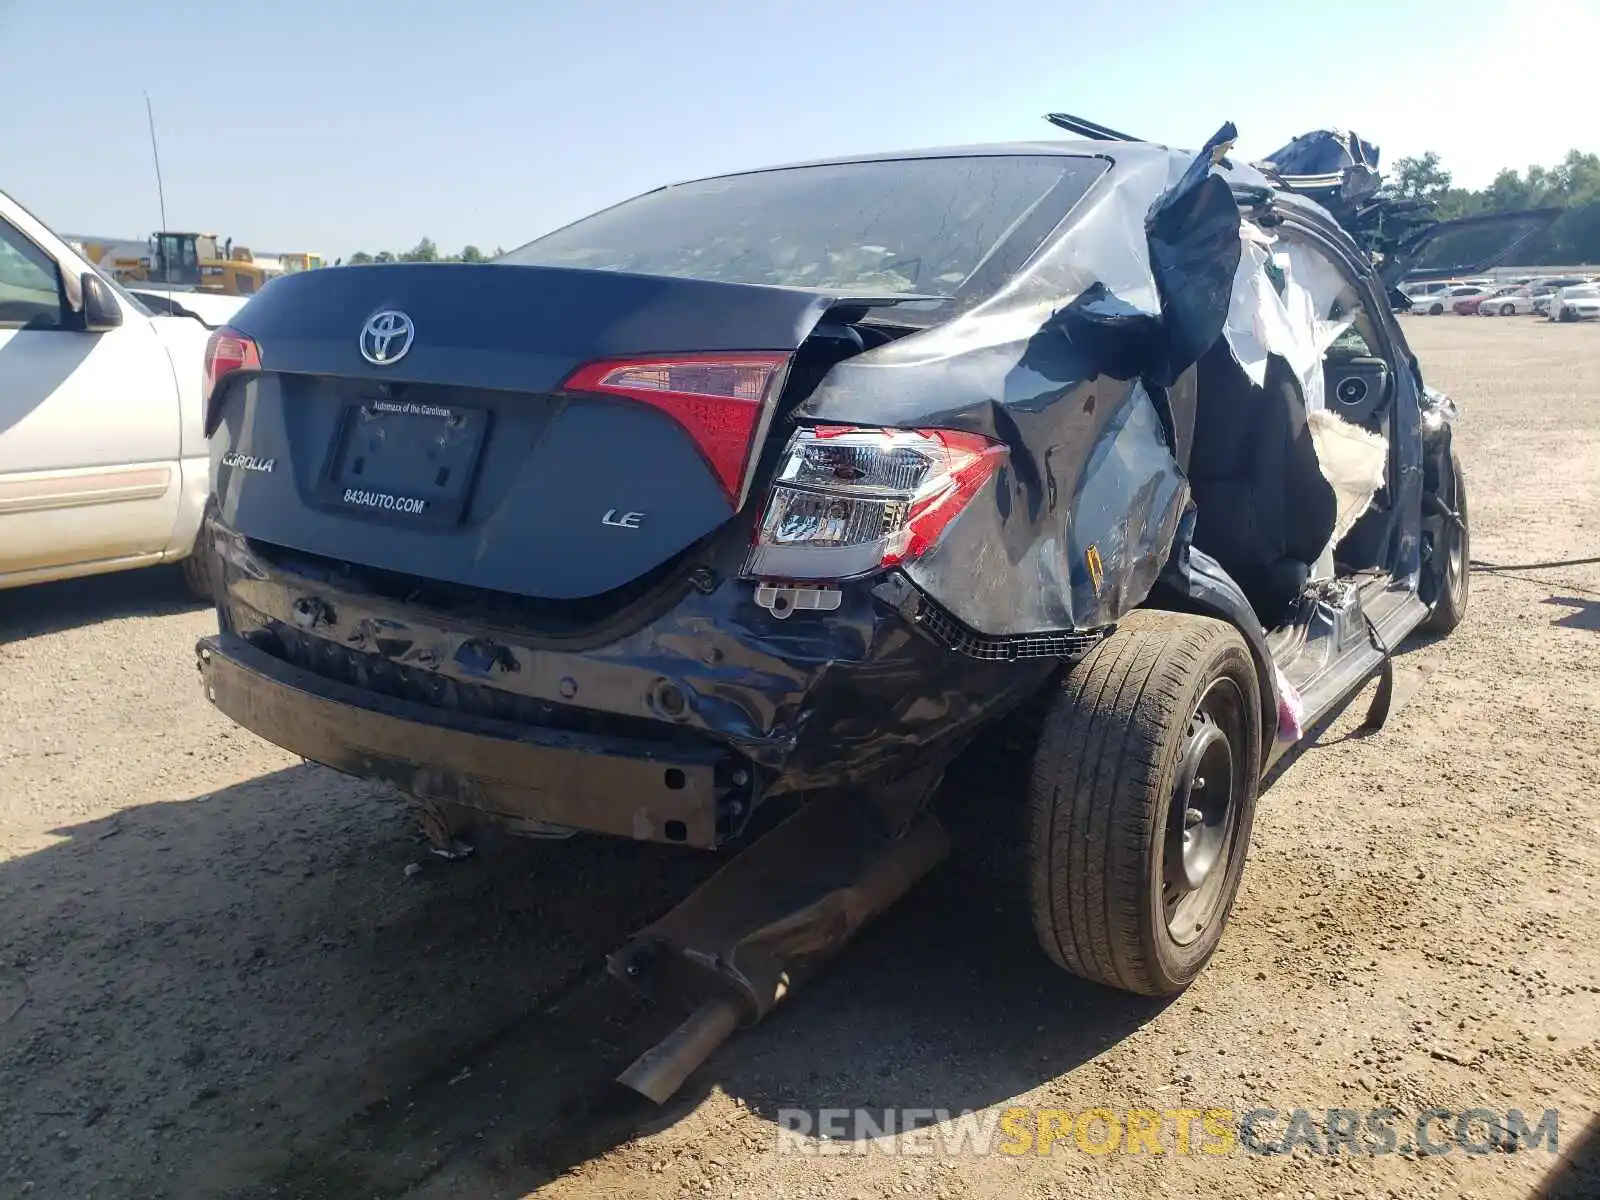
1158 262
1323 152
1080 391
1077 545
1339 171
1193 235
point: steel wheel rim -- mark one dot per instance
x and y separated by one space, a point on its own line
1203 814
1456 557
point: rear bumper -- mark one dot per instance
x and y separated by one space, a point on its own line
584 733
600 784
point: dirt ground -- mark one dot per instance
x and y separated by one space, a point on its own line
217 977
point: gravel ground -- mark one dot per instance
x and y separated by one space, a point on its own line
217 977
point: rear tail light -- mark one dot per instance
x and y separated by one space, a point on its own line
847 500
718 399
227 351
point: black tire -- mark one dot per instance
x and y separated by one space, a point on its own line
1446 581
1568 315
1115 751
198 573
1508 310
1436 311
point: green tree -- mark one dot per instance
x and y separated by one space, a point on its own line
1457 202
1572 185
1539 184
423 251
1506 193
384 256
471 254
1578 177
360 258
1420 178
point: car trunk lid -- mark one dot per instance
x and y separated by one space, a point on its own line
450 421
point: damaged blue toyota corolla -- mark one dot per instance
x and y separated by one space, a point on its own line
770 491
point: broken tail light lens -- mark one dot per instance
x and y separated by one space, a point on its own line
227 351
718 399
847 501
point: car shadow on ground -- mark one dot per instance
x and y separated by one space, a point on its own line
943 1006
239 983
275 992
253 988
1578 1175
945 1003
45 608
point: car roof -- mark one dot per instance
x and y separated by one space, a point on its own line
1122 155
1125 152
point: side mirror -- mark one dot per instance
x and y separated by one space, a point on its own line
100 308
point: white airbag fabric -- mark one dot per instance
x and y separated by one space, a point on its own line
1353 461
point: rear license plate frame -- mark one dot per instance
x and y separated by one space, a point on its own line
460 433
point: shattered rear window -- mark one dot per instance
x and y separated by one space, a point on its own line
920 225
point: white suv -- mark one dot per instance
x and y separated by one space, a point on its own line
103 460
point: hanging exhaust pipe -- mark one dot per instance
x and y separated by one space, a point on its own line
660 1071
738 943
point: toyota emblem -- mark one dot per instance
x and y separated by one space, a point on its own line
386 337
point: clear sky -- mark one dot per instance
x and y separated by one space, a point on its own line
338 125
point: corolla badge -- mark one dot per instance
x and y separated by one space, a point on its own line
386 337
248 462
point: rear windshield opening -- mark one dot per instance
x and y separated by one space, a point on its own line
922 226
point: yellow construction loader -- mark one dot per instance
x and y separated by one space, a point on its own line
184 262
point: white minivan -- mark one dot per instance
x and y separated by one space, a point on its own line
103 459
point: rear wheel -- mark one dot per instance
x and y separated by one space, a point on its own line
1142 798
199 574
1446 575
1436 310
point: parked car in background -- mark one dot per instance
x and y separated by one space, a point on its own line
1544 289
103 458
1422 294
1417 291
1467 306
1444 301
1516 302
1580 303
